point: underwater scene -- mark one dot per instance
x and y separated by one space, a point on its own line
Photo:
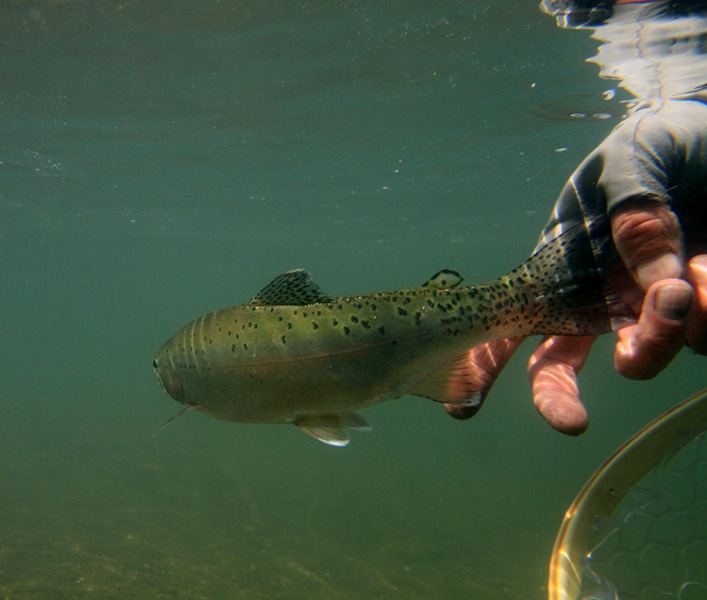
163 159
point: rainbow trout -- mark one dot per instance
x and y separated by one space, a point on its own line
294 354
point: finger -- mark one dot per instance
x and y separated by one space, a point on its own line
649 240
697 325
643 350
485 363
553 369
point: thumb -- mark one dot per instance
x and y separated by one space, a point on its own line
646 348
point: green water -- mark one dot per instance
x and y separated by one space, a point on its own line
162 159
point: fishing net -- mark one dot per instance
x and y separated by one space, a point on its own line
638 528
654 545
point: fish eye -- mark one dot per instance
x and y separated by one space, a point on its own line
154 364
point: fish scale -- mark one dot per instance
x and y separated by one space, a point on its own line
294 354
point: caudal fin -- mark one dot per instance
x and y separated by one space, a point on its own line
564 283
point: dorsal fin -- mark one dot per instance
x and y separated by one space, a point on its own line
294 288
443 280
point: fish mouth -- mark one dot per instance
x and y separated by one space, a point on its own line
169 381
156 369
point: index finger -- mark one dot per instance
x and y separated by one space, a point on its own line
649 240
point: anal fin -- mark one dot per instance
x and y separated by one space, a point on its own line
333 429
452 383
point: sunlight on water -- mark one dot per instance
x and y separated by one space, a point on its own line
160 160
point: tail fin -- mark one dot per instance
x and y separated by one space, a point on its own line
564 283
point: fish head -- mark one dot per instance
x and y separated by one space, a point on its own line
169 379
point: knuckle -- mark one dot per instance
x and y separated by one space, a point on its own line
647 231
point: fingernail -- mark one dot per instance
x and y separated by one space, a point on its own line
699 262
673 301
665 266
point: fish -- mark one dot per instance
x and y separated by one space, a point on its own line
293 354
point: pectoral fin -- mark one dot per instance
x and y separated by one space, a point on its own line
333 429
181 411
452 383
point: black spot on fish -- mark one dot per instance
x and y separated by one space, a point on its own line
289 326
346 330
245 346
354 319
381 330
284 339
402 312
314 325
365 325
233 348
334 322
279 319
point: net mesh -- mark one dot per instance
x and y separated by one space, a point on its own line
654 544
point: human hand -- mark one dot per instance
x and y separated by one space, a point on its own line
673 312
